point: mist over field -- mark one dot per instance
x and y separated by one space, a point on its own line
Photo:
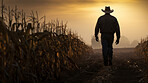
124 43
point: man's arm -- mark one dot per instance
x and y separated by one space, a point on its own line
117 32
97 30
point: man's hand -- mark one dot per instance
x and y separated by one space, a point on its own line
117 41
97 39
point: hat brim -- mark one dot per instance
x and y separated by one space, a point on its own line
110 11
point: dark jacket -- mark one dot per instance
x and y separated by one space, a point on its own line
107 24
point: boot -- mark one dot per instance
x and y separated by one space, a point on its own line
110 62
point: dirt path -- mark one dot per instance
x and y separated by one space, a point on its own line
127 68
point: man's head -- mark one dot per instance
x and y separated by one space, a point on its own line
107 10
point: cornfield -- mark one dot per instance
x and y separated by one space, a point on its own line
142 48
33 51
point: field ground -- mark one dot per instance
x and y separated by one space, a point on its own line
127 68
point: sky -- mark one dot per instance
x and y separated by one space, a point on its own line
82 15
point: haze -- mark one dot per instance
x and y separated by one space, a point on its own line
83 14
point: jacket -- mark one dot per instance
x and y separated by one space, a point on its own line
107 24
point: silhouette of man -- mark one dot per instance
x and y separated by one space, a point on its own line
107 25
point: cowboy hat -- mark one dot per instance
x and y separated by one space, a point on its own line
107 9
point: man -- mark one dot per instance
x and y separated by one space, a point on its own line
107 25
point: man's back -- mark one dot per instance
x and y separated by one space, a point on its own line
107 24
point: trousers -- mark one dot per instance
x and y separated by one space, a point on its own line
107 48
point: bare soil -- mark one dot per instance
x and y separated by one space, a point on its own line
127 68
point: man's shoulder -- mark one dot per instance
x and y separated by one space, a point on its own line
101 17
107 16
113 16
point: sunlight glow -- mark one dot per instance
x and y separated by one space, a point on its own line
82 17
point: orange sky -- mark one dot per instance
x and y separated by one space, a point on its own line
83 14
